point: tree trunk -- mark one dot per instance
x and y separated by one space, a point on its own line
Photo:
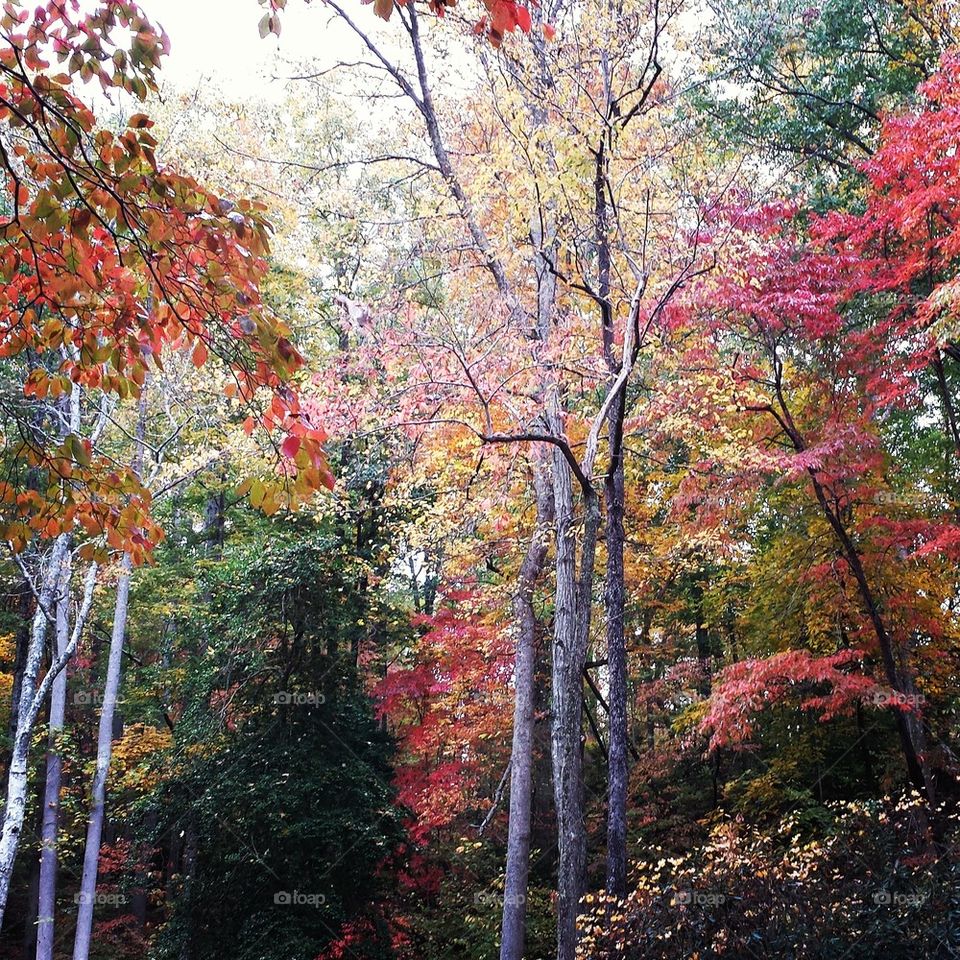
189 869
111 687
910 729
51 792
26 610
33 904
614 602
702 641
26 717
513 930
91 852
572 610
140 898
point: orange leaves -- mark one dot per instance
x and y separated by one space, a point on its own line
87 494
41 385
383 8
108 263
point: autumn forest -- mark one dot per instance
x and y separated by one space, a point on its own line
480 479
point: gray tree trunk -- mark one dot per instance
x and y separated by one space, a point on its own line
614 602
572 611
22 640
513 929
66 647
111 688
91 852
51 792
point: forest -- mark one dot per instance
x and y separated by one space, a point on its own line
487 487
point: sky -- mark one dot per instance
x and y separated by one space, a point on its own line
218 40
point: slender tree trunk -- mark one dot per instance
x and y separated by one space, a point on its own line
566 724
33 902
614 602
912 735
946 400
513 930
572 609
215 531
91 852
702 640
141 893
27 711
909 727
189 877
25 605
51 793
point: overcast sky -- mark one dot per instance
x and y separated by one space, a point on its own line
219 40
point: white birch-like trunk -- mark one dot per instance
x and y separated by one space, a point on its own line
30 700
67 643
51 790
91 853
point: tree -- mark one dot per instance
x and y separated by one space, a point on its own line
810 83
276 698
108 262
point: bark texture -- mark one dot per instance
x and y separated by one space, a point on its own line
51 789
31 697
91 852
513 930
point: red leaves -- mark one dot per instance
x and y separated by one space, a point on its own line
504 16
200 354
744 690
444 707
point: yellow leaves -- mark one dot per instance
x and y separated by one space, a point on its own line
8 647
134 755
8 644
140 741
